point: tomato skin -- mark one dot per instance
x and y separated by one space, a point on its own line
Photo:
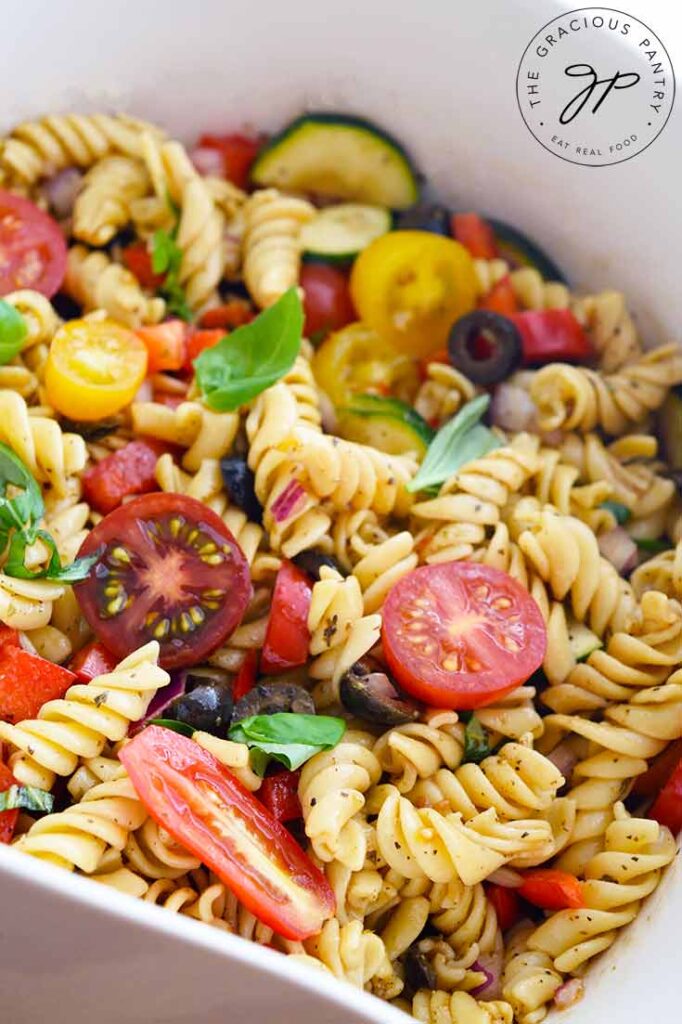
128 471
326 300
32 245
91 661
650 783
200 340
8 819
481 636
238 152
204 807
234 313
8 637
355 360
475 235
505 903
245 679
500 299
667 807
287 636
551 889
279 793
165 344
27 681
138 260
552 335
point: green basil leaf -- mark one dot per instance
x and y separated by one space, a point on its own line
291 755
16 556
621 513
252 357
288 738
476 741
459 441
29 798
166 253
651 546
169 723
28 506
13 330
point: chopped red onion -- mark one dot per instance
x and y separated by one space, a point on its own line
564 758
506 877
618 546
569 993
145 392
288 501
162 699
513 409
61 191
208 161
489 964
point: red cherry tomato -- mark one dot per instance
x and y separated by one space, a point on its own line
500 299
475 235
91 661
234 313
8 637
8 819
461 635
138 259
205 809
551 889
200 340
552 335
168 570
326 300
245 679
27 682
238 153
650 783
32 247
667 807
165 345
279 793
505 903
128 471
286 636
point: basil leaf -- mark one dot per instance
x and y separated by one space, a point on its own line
476 742
13 330
169 723
167 259
29 798
252 357
26 507
286 737
651 546
459 441
73 573
621 513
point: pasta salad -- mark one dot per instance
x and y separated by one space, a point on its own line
340 561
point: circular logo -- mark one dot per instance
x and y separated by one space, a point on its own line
595 86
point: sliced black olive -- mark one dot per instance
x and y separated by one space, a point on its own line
485 347
66 307
311 561
207 707
367 692
425 217
90 431
240 485
418 971
272 698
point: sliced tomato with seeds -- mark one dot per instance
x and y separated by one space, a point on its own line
32 247
461 635
168 570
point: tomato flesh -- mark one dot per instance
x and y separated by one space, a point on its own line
200 340
91 661
506 904
287 636
326 300
130 470
245 680
551 889
138 260
461 635
279 793
190 794
234 313
8 819
550 335
165 344
27 681
500 299
238 153
667 807
32 247
168 570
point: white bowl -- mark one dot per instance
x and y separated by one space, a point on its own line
441 76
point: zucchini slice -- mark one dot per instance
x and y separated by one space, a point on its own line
388 424
340 156
520 251
582 641
339 233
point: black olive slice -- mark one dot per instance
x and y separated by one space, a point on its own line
485 347
272 698
431 217
207 707
367 692
311 561
419 973
239 483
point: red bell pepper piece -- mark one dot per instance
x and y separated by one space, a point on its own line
246 677
286 635
128 471
200 340
551 889
8 637
165 344
138 260
500 299
667 807
27 681
650 783
552 335
234 313
475 235
279 793
8 819
238 153
506 904
92 660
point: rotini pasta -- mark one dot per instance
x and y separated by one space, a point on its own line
271 246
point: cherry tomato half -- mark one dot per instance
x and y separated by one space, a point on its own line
201 804
32 247
91 661
138 260
168 570
667 807
326 300
411 286
94 369
461 635
238 153
286 636
354 361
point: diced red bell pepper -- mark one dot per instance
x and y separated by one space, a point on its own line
8 819
551 889
287 636
279 793
92 660
27 681
667 807
500 299
128 471
475 235
8 637
197 341
246 677
238 152
506 904
138 260
552 335
234 313
165 344
650 783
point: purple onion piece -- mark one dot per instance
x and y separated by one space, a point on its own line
512 408
162 699
620 549
61 191
288 501
489 964
208 161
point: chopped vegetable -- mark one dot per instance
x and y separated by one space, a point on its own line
367 692
475 234
459 441
27 681
28 798
138 259
32 246
13 331
501 298
91 661
240 485
274 698
670 429
338 233
620 512
237 153
198 342
234 313
326 300
124 473
311 561
667 807
182 728
291 739
551 889
505 903
652 546
385 423
167 260
8 819
424 217
355 360
650 783
552 335
165 344
287 637
245 680
206 707
279 793
476 741
485 347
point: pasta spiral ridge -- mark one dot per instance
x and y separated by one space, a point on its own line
50 454
459 1008
271 246
418 750
529 980
102 206
203 433
96 282
610 328
27 604
443 392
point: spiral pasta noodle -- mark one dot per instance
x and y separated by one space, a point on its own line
609 327
203 434
443 392
418 750
529 980
50 454
271 245
96 282
662 573
40 317
533 292
102 206
27 604
459 1008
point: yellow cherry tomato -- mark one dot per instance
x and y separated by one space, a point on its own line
354 360
94 369
411 286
